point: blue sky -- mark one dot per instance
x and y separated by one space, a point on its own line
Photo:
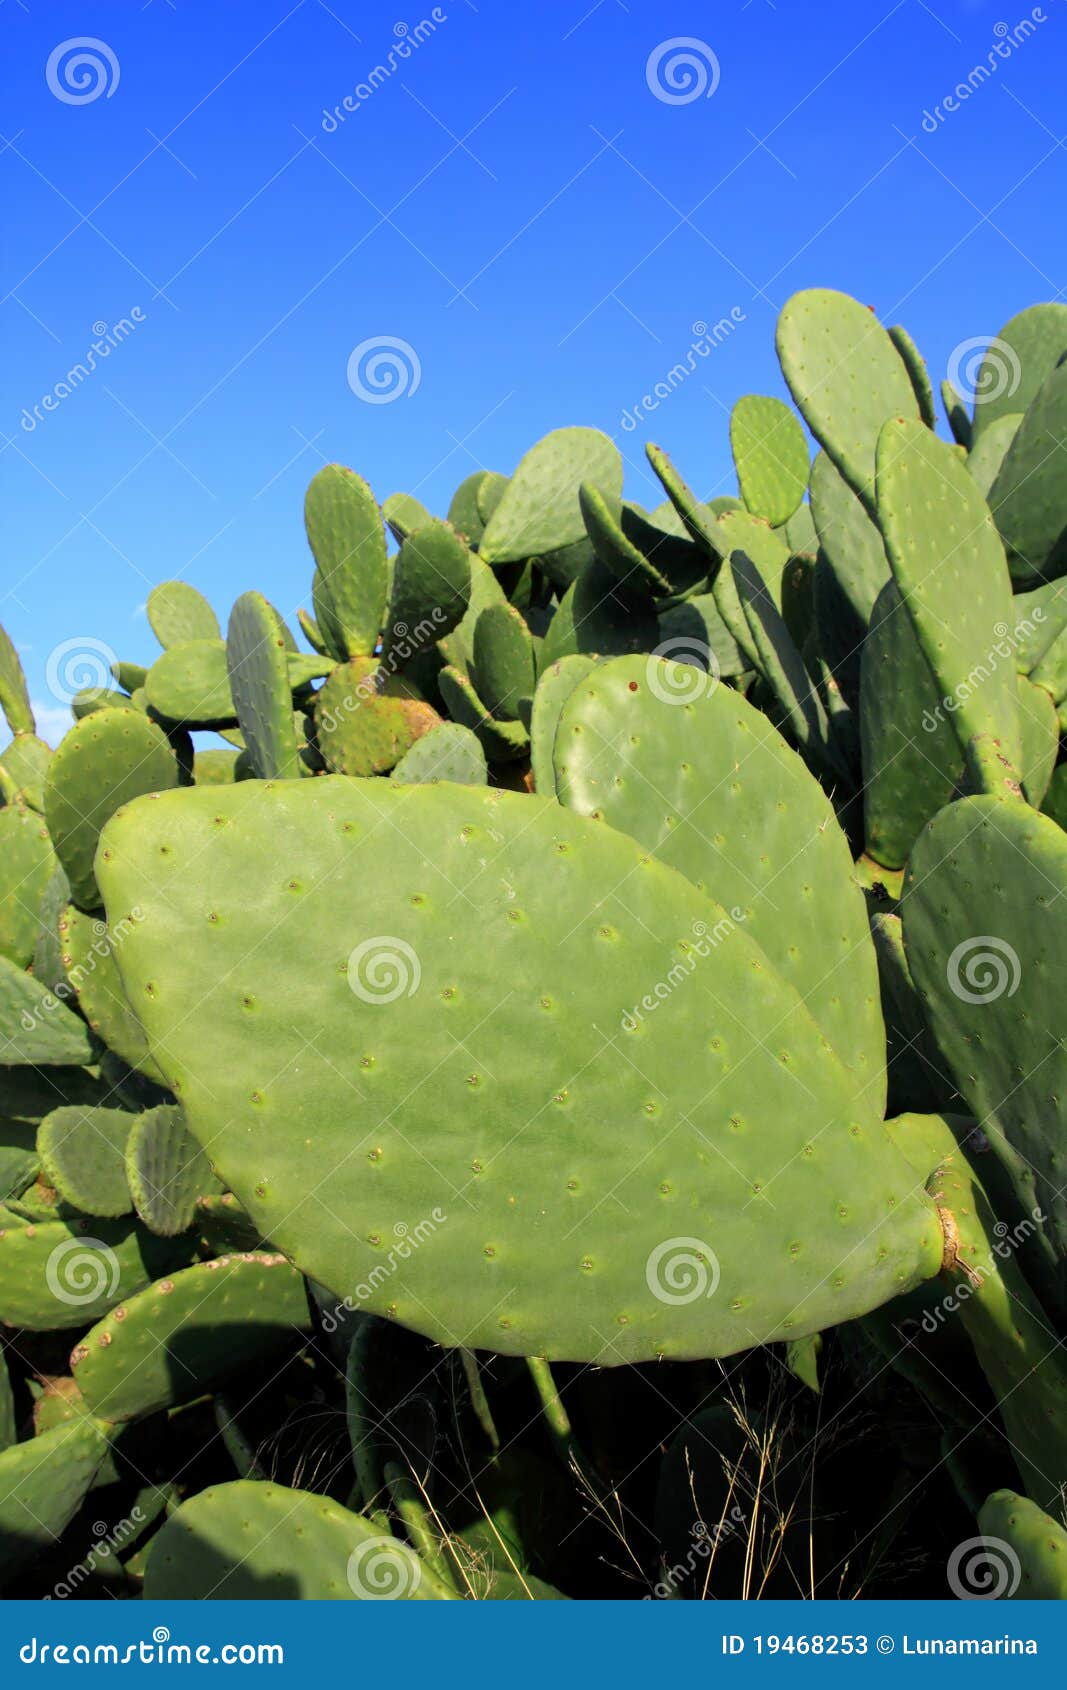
514 200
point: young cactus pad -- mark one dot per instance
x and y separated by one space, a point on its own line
351 1043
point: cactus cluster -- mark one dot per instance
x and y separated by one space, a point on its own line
568 1055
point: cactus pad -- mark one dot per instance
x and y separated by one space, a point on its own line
372 875
770 455
539 509
173 1340
105 760
252 1540
846 376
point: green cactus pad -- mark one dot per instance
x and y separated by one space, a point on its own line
1019 358
87 956
347 540
364 731
846 376
177 613
1040 732
447 752
1026 497
61 1273
911 756
619 556
176 1338
532 1260
489 492
311 632
258 668
984 927
984 462
800 708
918 374
189 684
463 512
948 564
1038 1542
252 1540
539 510
14 697
215 767
1018 1351
956 413
26 865
598 616
696 519
770 456
852 552
404 515
35 1026
98 698
166 1170
19 1162
503 661
83 1154
42 1485
109 758
501 741
694 632
430 595
25 762
916 1072
554 687
702 780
